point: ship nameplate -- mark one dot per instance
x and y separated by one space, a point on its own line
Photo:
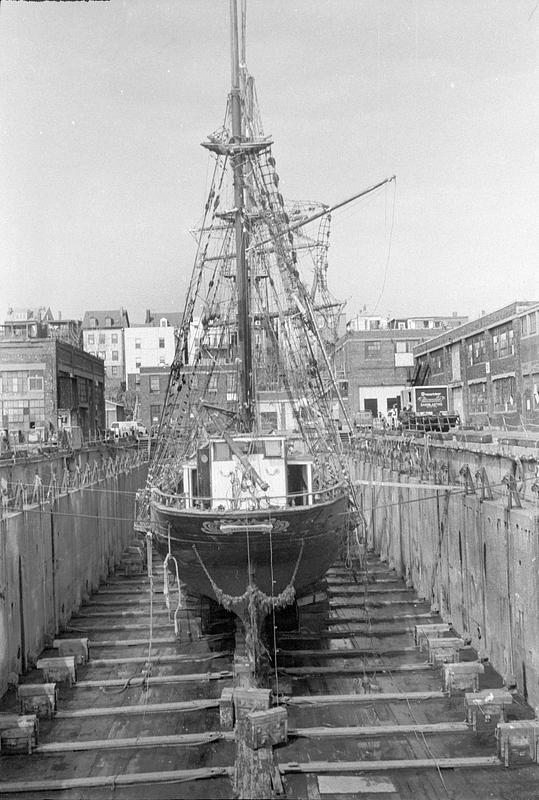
229 526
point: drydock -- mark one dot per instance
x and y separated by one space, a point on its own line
374 690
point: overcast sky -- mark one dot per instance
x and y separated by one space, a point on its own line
104 104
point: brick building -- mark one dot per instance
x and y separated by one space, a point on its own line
373 366
47 385
491 365
103 337
151 393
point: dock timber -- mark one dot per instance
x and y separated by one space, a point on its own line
367 714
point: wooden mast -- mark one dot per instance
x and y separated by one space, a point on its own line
242 271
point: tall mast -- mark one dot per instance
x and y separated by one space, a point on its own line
242 272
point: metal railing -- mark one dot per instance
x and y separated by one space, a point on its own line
247 503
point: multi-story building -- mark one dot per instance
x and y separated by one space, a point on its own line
151 393
373 366
46 386
364 321
40 323
491 365
152 344
427 323
103 337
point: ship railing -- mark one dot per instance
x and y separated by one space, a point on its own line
250 503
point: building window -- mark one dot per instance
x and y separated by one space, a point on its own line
532 323
137 344
161 361
82 388
114 338
502 342
93 322
137 363
15 382
343 389
155 384
161 342
373 349
137 379
102 355
114 371
155 413
115 355
504 394
108 322
478 398
476 350
35 382
163 322
214 384
102 338
535 379
91 338
437 361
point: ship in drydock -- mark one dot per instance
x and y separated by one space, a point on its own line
248 489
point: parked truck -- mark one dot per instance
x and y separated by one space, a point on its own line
128 428
426 408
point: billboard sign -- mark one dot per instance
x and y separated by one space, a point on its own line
431 400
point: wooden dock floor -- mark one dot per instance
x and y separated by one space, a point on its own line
367 716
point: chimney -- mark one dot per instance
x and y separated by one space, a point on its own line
148 316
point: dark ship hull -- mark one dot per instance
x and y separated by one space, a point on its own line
219 553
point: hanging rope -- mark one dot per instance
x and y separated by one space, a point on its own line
252 594
166 589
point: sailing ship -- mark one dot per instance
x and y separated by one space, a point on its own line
248 488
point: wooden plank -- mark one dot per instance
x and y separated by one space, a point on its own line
372 588
110 781
173 658
360 668
377 697
180 739
367 629
131 642
155 680
348 652
367 620
145 708
337 602
117 614
378 730
389 765
88 626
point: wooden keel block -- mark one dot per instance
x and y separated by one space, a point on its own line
246 700
518 742
444 650
485 709
422 631
79 648
264 728
59 670
226 709
38 698
18 734
462 677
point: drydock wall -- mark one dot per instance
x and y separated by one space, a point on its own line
55 552
476 560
